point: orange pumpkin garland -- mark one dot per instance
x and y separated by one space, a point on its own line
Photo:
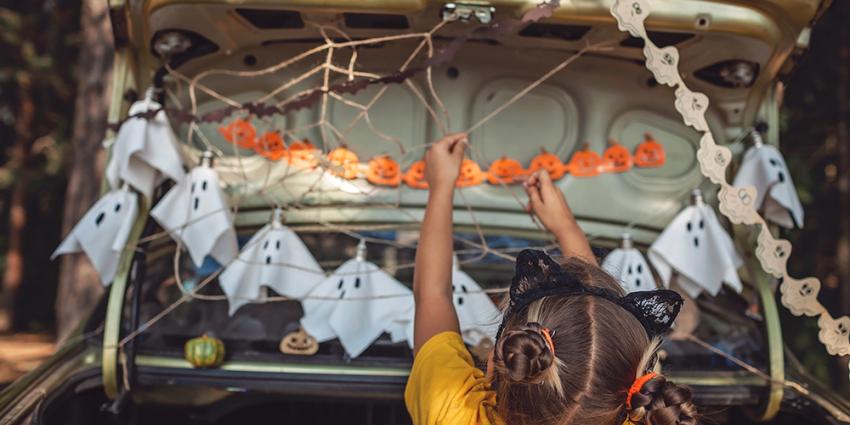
549 162
470 174
271 146
383 171
616 158
240 132
415 176
505 171
344 163
302 154
585 163
649 153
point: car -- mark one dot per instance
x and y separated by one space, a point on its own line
199 58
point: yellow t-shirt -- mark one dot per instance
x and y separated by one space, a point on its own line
445 387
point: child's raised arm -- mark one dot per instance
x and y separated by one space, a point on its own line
432 277
549 205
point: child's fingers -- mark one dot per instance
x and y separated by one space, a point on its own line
533 196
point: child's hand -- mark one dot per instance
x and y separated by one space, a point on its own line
443 160
549 205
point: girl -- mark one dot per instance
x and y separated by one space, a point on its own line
571 349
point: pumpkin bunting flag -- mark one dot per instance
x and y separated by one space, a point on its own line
383 170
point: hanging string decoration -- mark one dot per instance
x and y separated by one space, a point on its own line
763 167
103 231
628 266
197 215
737 203
145 151
699 250
274 257
356 304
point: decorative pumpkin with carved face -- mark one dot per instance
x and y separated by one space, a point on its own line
303 154
549 162
271 146
470 174
344 163
384 171
585 163
299 343
415 176
240 132
616 158
649 153
505 170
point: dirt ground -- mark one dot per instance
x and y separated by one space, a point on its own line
21 353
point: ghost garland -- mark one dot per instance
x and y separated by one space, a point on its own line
274 257
196 214
698 249
103 231
628 266
737 203
356 304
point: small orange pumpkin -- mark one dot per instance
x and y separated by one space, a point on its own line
616 158
649 153
303 154
344 163
383 171
505 170
470 174
585 163
549 162
415 176
271 146
240 132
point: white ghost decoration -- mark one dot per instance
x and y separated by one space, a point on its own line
628 266
478 317
102 233
145 150
764 168
357 304
274 257
197 215
698 249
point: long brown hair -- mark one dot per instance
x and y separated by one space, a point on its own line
599 350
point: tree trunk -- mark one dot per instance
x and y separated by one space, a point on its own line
19 155
79 283
842 131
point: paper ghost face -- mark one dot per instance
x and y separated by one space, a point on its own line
629 267
274 257
800 296
196 214
356 304
478 316
835 334
699 250
103 231
145 150
764 168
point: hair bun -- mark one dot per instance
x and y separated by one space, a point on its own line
662 402
524 354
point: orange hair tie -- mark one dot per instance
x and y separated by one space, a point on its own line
547 334
637 385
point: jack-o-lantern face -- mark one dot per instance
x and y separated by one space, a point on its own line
383 171
470 174
299 343
505 170
303 154
271 146
415 176
585 163
549 162
616 158
240 132
649 153
344 163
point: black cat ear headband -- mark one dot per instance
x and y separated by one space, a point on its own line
538 276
